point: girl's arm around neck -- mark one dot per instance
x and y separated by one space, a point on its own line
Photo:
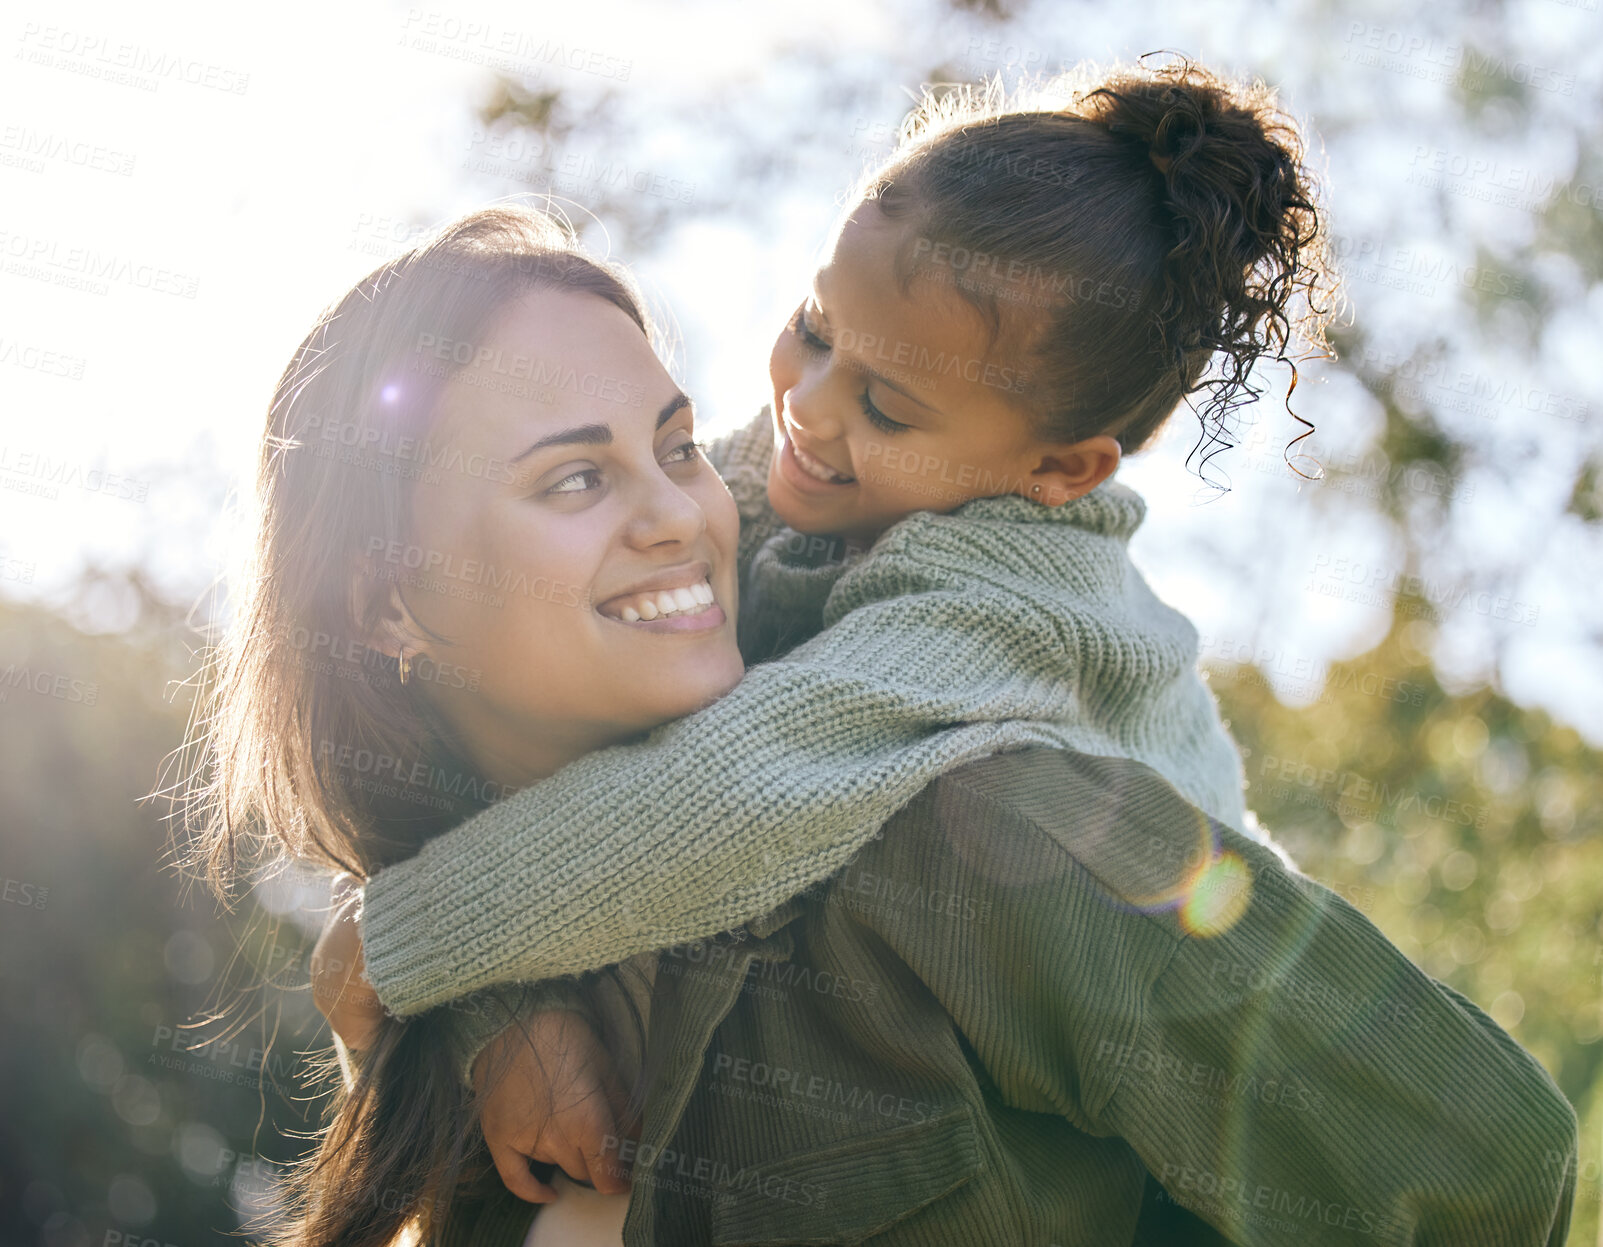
717 818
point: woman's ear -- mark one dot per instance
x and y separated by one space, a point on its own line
1068 472
382 618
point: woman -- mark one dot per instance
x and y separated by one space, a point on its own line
416 489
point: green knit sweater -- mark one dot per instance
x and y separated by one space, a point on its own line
998 626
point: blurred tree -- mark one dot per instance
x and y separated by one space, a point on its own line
121 1113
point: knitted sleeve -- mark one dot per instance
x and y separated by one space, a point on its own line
716 818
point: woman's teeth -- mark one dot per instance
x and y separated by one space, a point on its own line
691 600
817 470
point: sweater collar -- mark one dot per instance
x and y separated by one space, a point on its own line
1111 509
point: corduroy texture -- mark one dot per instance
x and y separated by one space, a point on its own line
1003 1015
1001 625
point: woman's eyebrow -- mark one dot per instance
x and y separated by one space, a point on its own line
599 434
579 435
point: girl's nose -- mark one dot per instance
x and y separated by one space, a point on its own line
812 405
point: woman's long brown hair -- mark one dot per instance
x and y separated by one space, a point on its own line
306 746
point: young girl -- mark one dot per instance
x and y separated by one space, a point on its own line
1020 296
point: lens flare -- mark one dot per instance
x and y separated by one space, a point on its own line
1218 895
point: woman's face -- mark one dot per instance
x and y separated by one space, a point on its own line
578 554
886 402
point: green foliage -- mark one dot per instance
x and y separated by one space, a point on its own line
120 1113
1465 826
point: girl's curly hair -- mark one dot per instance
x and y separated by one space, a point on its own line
1161 221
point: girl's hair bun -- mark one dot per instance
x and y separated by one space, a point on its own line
1169 214
1249 268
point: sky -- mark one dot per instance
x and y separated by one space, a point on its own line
183 188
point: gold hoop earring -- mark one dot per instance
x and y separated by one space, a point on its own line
406 666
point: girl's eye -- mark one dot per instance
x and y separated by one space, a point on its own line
574 482
798 326
878 418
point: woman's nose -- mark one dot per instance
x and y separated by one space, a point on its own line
664 514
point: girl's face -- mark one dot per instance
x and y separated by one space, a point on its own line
887 403
574 548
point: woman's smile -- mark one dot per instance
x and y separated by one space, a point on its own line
681 600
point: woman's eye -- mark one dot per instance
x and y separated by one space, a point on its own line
576 482
798 326
685 452
878 418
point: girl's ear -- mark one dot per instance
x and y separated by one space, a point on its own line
1068 472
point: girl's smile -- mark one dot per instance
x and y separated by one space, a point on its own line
805 471
893 396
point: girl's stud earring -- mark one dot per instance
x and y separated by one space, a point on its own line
406 666
1035 489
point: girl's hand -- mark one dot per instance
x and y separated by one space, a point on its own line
339 990
549 1094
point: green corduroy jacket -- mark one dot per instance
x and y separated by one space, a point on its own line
1055 1004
